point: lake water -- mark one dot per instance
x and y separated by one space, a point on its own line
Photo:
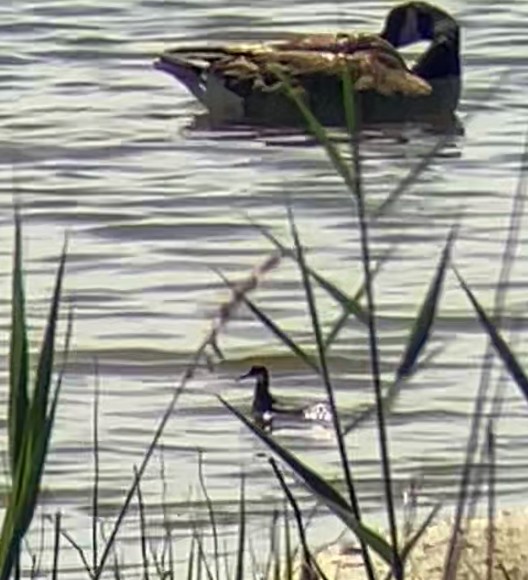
97 144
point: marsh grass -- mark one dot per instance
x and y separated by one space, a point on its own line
31 413
349 511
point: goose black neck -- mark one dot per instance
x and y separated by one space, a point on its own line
442 59
262 399
415 21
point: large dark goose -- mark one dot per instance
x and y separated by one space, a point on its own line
239 83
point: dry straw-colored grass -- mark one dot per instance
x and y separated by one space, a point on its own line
427 560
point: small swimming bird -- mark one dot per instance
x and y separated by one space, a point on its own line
265 406
245 82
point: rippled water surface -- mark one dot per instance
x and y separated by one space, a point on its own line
98 144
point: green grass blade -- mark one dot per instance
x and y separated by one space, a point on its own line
40 398
41 413
411 178
310 567
62 370
37 424
356 189
318 131
349 103
18 357
274 328
320 488
325 373
426 316
355 300
351 304
503 350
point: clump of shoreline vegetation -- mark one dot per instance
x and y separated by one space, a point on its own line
32 412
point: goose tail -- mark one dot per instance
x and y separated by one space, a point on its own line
191 66
187 68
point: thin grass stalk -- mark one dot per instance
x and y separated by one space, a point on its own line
170 552
479 479
211 512
227 569
490 560
199 558
505 572
500 298
34 566
512 243
56 546
143 465
156 561
142 530
40 549
168 549
95 488
275 329
270 560
202 559
342 319
307 521
319 487
239 572
310 299
409 546
307 558
411 178
479 476
517 372
275 547
288 554
117 566
357 191
178 390
32 557
254 564
190 559
352 304
453 551
427 159
79 550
